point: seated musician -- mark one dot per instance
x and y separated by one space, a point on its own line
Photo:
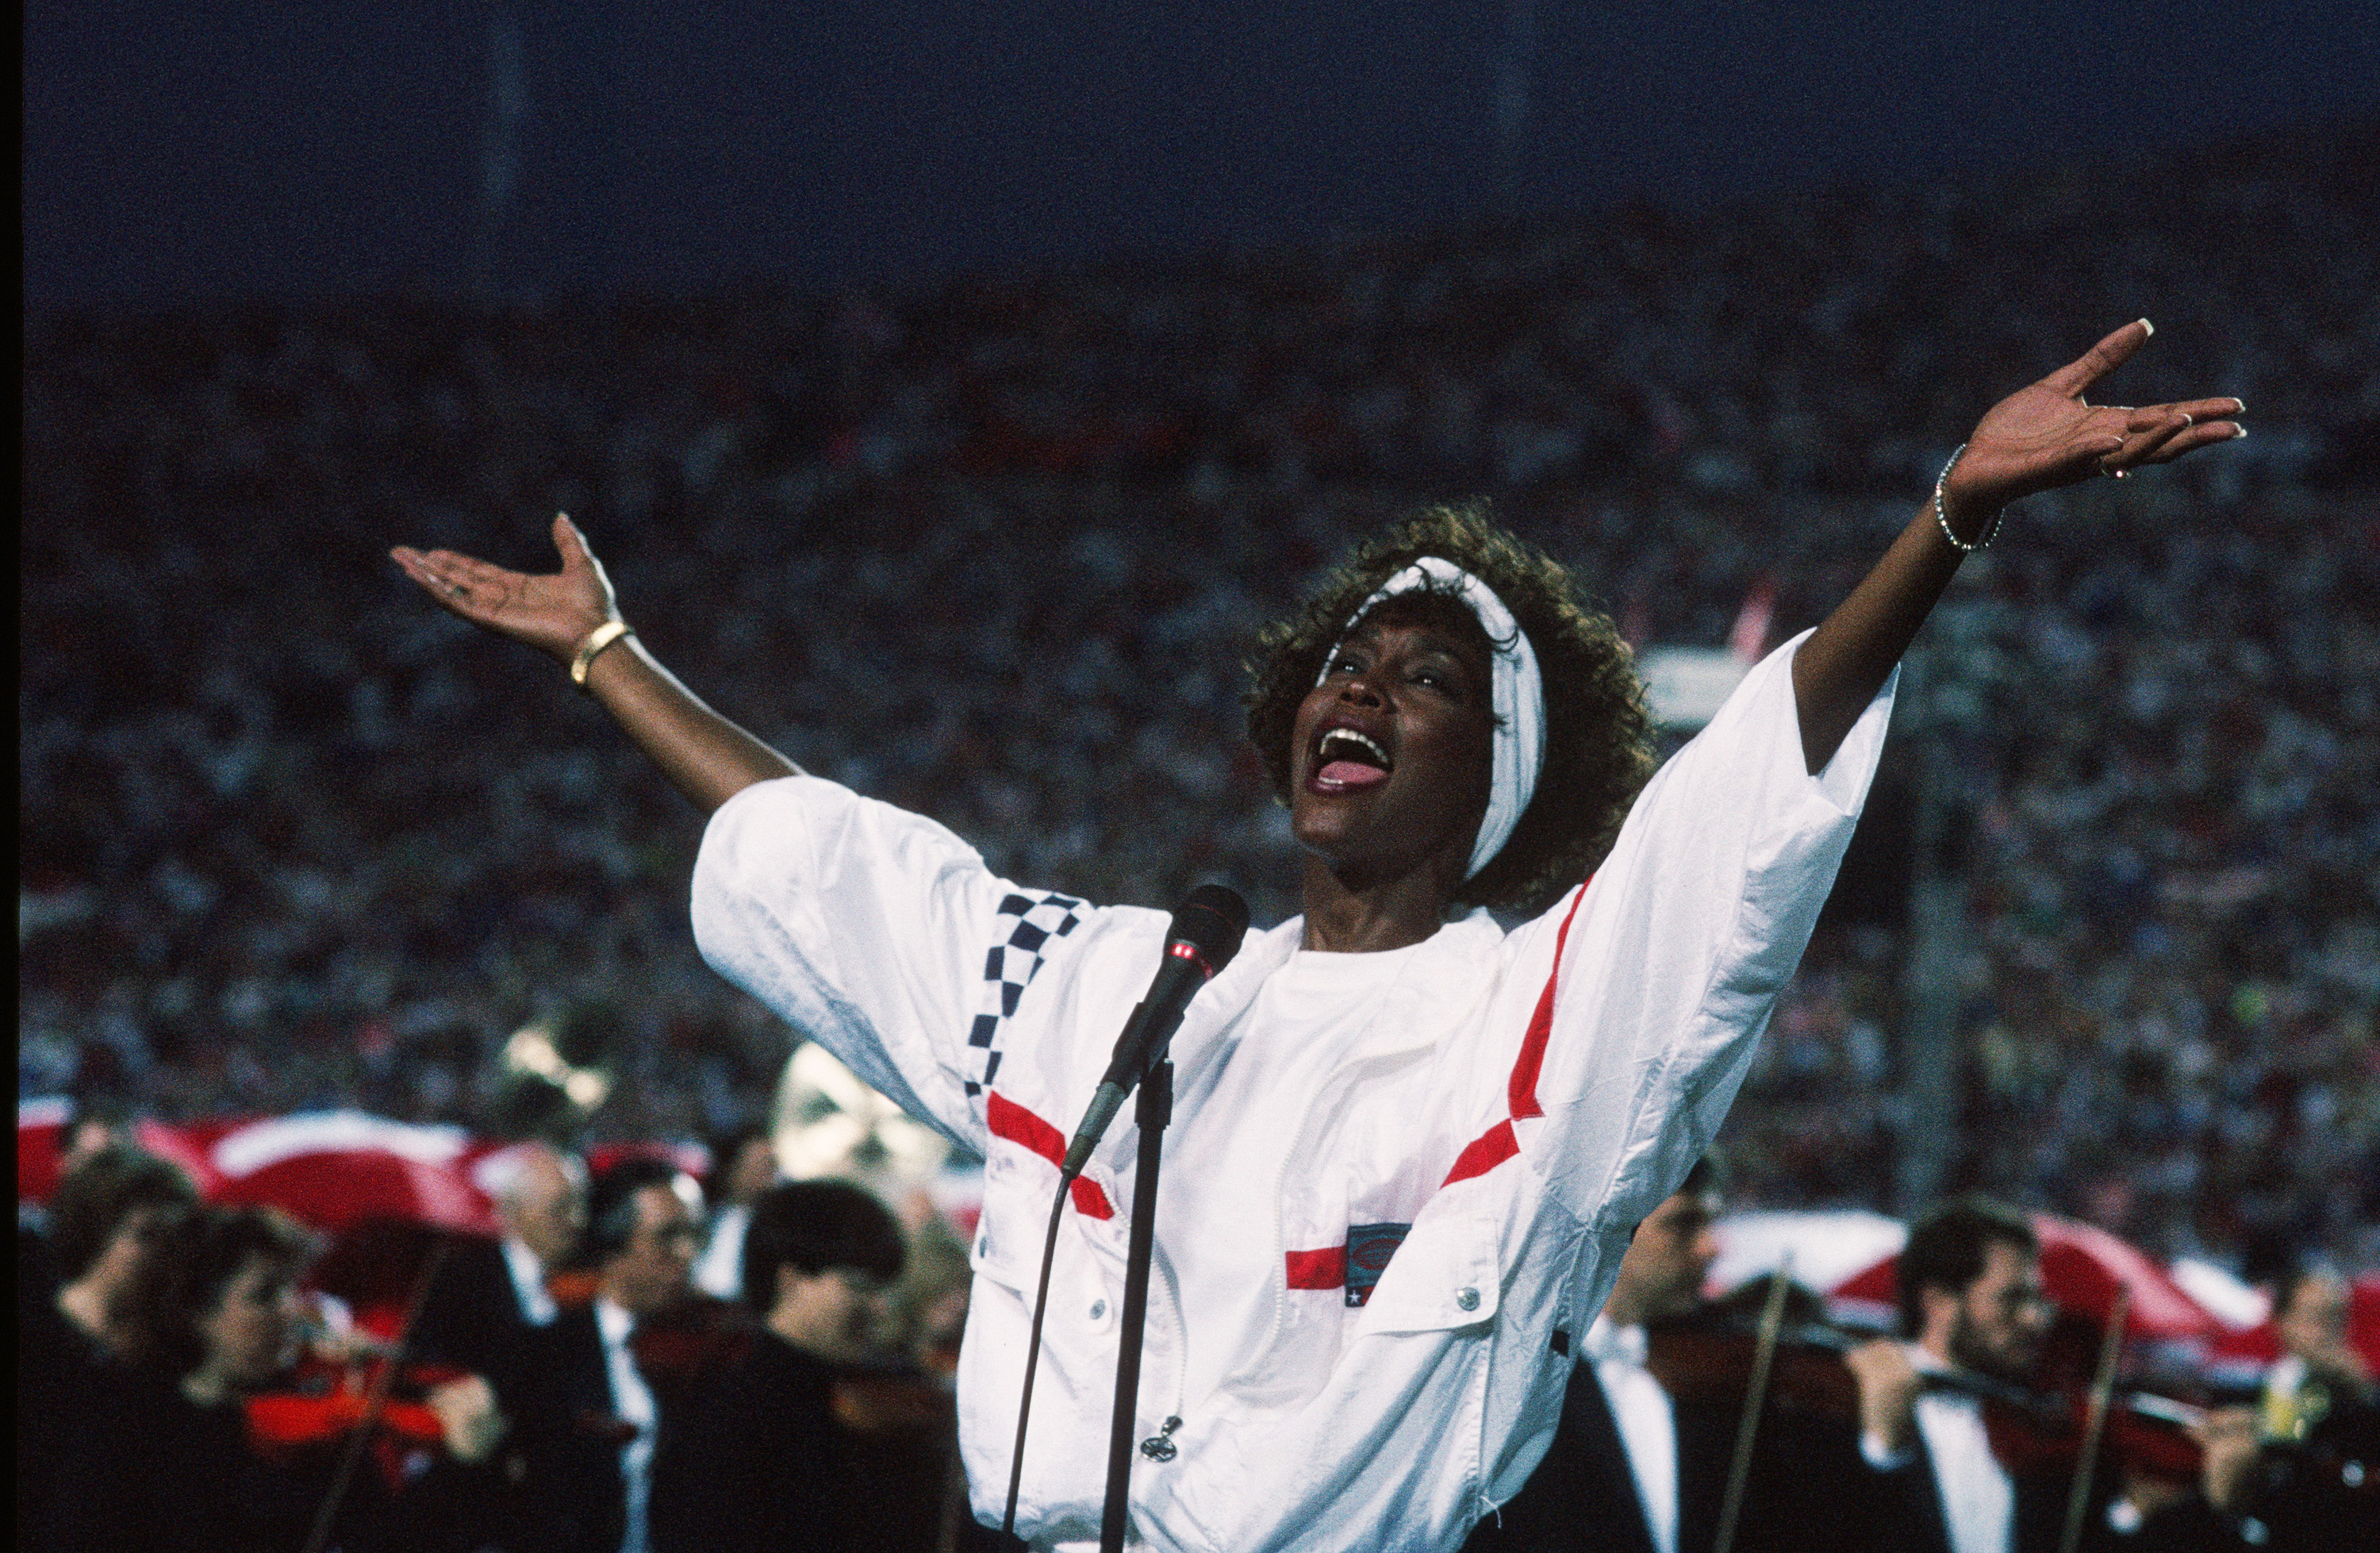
2307 1472
489 1296
74 1292
589 1434
1970 1299
168 1456
760 1460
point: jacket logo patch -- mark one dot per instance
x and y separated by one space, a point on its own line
1369 1247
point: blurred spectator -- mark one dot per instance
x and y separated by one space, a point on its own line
284 847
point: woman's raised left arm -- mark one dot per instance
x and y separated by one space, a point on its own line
2037 438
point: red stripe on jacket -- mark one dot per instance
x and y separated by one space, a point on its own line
1325 1268
1498 1143
1013 1122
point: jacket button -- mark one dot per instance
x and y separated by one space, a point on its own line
1466 1299
1099 1309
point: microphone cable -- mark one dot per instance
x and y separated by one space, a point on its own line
1032 1362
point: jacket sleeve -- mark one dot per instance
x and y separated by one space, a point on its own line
1683 944
867 929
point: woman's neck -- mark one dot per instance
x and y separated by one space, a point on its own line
1393 914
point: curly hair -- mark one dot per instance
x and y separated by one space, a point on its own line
1598 747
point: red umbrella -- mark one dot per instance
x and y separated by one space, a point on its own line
2082 1267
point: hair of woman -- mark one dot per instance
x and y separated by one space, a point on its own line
1599 749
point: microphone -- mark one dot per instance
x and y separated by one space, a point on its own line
1204 935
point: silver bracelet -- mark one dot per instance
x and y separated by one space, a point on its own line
1991 529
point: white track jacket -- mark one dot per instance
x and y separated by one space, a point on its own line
1372 1270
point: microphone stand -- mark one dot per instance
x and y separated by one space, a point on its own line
1154 1111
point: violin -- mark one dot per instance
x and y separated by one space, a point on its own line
323 1403
570 1286
1707 1356
679 1348
891 1399
692 1340
696 1335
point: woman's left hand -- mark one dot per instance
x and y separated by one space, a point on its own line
2048 434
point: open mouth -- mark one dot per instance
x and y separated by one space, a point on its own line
1346 760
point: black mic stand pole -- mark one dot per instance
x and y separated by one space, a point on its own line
1154 1111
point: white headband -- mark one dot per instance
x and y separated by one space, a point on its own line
1517 696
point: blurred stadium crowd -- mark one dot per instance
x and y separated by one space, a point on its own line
288 838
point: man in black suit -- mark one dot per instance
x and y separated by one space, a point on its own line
1970 1299
1632 1469
589 1432
489 1296
758 1462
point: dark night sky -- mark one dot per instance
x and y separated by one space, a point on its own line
260 146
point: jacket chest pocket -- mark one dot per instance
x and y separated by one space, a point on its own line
1444 1275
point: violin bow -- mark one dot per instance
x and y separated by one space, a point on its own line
1739 1469
376 1400
2094 1422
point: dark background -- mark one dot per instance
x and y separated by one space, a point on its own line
206 151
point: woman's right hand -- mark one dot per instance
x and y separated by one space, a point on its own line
552 613
709 759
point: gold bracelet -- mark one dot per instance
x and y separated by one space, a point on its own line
602 636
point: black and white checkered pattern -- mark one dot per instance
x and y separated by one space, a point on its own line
1028 923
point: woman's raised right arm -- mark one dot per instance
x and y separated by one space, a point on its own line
708 758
